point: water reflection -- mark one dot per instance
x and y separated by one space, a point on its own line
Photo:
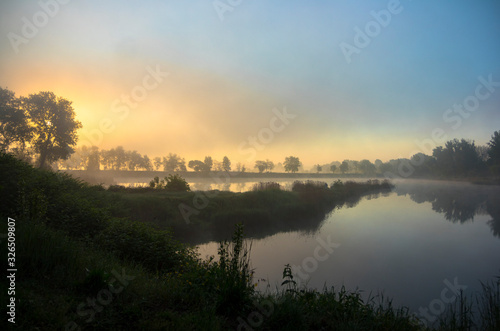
258 225
459 202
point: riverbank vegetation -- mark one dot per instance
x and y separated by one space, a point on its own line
264 211
82 265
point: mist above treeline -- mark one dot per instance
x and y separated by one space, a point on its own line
41 129
457 158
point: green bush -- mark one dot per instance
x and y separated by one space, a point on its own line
232 276
175 183
156 250
172 183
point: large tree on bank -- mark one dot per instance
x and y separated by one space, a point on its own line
15 132
494 152
292 163
53 124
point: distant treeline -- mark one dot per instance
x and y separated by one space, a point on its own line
457 158
42 129
118 158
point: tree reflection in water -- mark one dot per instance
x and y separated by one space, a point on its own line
459 202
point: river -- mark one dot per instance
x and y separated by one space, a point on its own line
418 245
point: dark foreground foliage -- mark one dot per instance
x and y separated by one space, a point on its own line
84 267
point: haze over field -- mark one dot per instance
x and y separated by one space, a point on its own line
358 80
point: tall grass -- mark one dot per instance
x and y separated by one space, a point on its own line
233 275
265 186
478 312
489 305
307 309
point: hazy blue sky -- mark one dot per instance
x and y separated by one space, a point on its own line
370 94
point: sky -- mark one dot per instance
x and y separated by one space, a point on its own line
255 80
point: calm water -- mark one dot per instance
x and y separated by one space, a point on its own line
407 244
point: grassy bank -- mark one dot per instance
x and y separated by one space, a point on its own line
84 263
198 217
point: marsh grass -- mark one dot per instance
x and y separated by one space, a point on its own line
264 186
476 312
489 305
330 309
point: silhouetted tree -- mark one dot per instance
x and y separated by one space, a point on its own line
354 166
482 152
318 168
93 159
366 167
292 163
181 166
173 162
344 167
226 164
119 157
457 158
333 168
269 165
386 168
157 162
240 167
53 126
15 131
494 152
73 162
261 166
217 166
133 160
106 159
197 165
423 165
208 163
146 163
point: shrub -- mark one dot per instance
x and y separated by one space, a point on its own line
155 249
308 186
233 275
173 183
176 183
157 183
266 186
